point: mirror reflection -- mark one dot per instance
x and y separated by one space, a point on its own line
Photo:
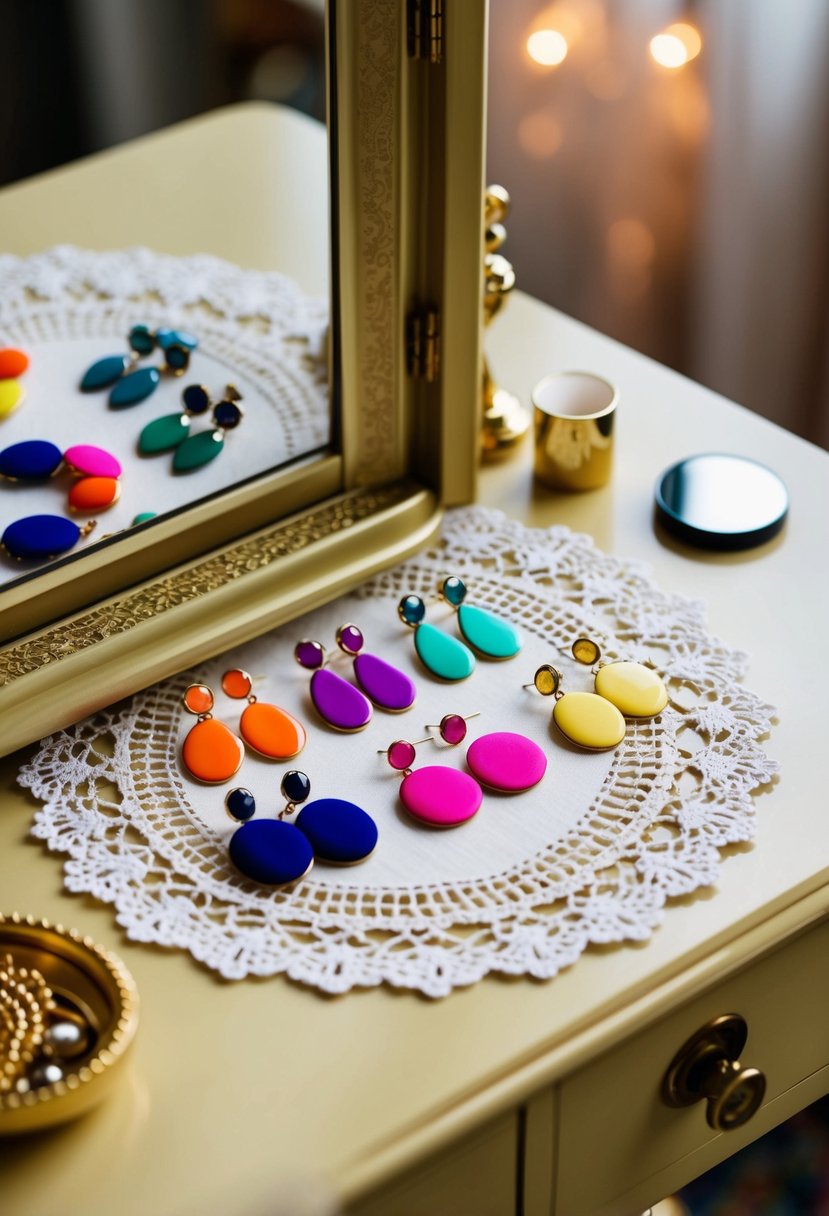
164 310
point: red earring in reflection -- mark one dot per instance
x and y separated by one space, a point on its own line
268 730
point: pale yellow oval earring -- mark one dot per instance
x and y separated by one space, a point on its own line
635 689
586 719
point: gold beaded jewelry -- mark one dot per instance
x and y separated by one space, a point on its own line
25 1003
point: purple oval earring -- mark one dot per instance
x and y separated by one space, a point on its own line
336 701
386 686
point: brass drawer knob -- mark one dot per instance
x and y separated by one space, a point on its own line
708 1066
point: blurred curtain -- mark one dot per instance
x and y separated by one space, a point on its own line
760 293
683 212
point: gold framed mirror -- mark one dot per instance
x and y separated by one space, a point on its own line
406 100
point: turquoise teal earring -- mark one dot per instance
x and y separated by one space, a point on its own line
440 653
486 633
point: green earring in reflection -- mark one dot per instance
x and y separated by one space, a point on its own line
172 431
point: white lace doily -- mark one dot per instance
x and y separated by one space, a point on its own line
589 855
68 307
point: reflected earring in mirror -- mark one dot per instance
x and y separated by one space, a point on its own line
338 703
437 796
634 688
268 730
441 654
170 431
340 832
502 761
211 753
384 685
98 471
586 719
132 387
13 363
198 450
268 851
489 635
43 537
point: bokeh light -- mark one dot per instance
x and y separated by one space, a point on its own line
547 47
676 46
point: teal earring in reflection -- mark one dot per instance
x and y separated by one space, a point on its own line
131 387
489 635
171 433
440 653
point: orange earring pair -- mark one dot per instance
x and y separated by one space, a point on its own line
212 753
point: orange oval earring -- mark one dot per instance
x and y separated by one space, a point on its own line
268 730
211 752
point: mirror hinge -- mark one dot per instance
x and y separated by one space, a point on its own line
423 343
425 26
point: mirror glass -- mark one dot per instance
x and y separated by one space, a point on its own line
169 300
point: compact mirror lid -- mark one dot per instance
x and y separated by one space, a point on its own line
719 501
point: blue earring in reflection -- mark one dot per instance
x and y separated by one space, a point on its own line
131 387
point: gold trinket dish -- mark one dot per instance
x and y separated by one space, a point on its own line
86 1007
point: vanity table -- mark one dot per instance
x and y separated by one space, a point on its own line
511 1096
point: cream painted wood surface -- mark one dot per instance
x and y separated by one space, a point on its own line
357 1090
615 1130
478 1176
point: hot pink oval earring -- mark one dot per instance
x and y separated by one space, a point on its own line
436 796
502 760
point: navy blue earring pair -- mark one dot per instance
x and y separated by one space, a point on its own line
277 853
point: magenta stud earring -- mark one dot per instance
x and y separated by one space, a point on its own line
336 701
386 686
436 796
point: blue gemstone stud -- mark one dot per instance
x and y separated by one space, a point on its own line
240 804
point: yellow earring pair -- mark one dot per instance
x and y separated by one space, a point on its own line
596 720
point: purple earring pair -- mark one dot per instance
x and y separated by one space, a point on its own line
339 703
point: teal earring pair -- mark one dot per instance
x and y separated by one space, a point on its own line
482 631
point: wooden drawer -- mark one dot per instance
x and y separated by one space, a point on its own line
616 1133
478 1174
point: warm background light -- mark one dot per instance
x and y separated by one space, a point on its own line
688 35
547 47
668 51
676 46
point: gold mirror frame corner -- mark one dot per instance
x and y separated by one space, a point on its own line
379 497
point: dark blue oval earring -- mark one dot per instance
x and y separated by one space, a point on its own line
269 851
340 832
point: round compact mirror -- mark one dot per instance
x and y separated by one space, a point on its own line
719 501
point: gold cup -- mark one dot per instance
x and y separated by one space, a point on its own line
574 417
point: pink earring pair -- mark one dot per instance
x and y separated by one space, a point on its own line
444 797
